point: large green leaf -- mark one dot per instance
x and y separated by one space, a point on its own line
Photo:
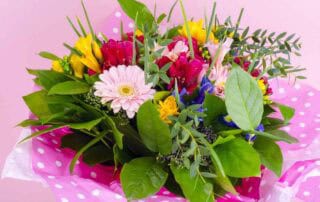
244 99
278 135
193 188
99 153
48 78
37 103
270 154
239 159
286 112
135 9
69 88
142 177
214 107
154 133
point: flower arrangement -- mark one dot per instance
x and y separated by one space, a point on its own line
188 109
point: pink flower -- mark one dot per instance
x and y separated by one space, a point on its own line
124 86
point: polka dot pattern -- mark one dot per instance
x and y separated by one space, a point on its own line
99 184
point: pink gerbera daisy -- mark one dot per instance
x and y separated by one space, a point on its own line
125 87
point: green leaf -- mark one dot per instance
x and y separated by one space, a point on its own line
37 103
160 95
239 159
133 8
29 122
48 78
41 132
194 188
97 154
154 133
286 112
88 20
49 55
142 177
270 154
85 125
69 88
244 99
222 140
73 27
118 136
83 149
75 141
161 18
214 107
278 135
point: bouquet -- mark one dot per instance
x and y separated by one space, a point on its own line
186 108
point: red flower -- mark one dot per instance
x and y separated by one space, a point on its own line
117 53
186 72
129 37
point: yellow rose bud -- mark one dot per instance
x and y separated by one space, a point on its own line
56 66
77 66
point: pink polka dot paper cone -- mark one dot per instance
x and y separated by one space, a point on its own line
49 164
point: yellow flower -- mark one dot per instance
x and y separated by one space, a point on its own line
197 32
56 66
167 108
263 87
138 33
77 65
90 53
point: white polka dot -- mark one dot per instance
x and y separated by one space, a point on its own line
287 128
306 193
164 201
41 139
40 165
118 196
317 163
73 183
78 162
131 25
55 142
93 174
154 196
301 113
51 177
40 150
302 135
250 189
118 14
227 196
141 201
95 192
303 145
115 30
52 134
166 193
297 86
58 186
281 90
294 99
80 196
302 125
311 94
301 168
58 150
58 163
317 129
64 200
307 105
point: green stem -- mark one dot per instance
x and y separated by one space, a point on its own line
188 29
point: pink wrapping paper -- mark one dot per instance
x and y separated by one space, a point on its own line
301 174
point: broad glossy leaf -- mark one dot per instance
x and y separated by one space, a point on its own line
142 177
214 107
278 135
37 103
244 99
286 112
239 159
154 133
194 189
270 154
48 78
69 88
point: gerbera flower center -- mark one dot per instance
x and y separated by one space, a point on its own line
126 90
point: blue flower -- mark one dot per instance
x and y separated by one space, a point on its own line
205 87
